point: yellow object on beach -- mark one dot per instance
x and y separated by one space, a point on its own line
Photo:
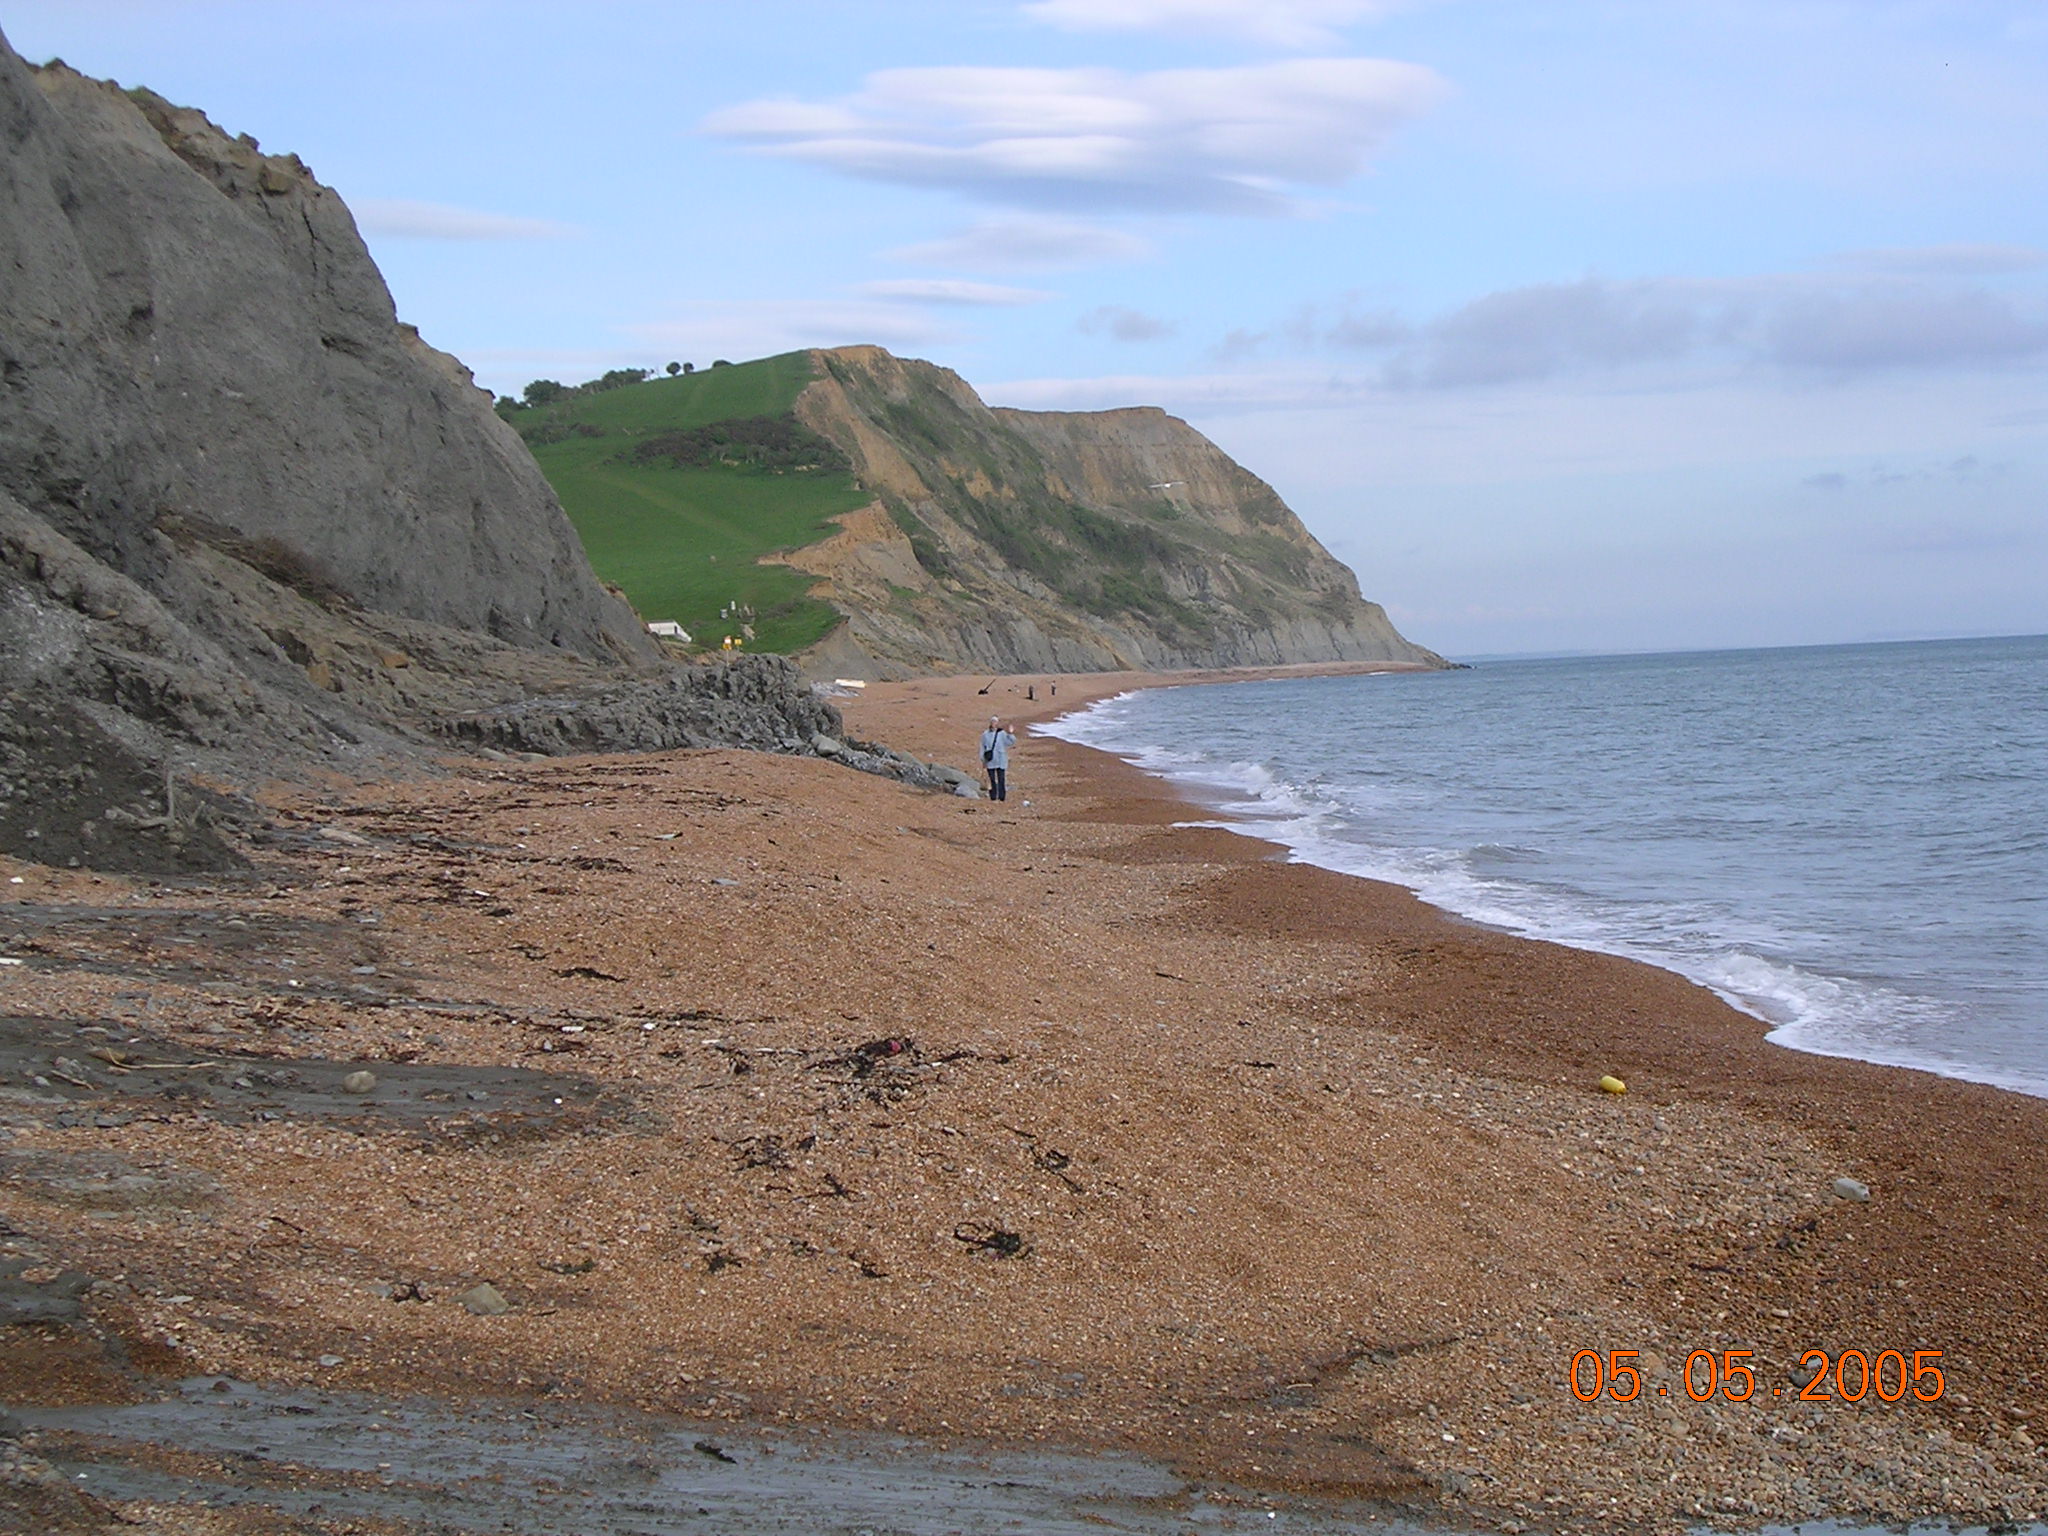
1613 1085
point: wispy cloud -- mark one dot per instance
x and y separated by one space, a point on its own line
404 219
1341 325
1901 328
1122 323
1025 243
1239 140
1949 260
1550 328
1795 323
1274 23
762 328
949 290
1968 469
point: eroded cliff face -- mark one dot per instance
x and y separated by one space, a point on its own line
249 522
1016 541
193 327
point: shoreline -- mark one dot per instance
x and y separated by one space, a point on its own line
1869 1114
1982 1076
764 1091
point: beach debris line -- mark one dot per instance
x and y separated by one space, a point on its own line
986 1237
864 1058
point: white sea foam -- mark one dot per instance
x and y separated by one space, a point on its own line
1700 855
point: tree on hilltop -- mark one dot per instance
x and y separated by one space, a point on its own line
544 392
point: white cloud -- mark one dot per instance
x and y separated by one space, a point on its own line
1025 242
949 290
765 327
1793 322
1231 140
1278 23
1949 260
1549 328
403 219
1123 324
1901 327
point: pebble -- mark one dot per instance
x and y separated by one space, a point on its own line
359 1082
1851 1189
485 1300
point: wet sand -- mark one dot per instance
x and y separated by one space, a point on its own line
1044 1125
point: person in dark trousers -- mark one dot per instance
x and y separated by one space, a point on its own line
996 742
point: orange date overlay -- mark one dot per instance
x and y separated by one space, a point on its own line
1852 1374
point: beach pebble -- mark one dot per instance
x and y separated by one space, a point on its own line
1613 1085
485 1300
1851 1189
359 1082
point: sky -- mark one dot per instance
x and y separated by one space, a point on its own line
1570 325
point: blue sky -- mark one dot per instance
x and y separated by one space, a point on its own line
1614 324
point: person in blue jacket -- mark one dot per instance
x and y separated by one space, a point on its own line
996 742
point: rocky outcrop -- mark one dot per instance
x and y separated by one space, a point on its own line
761 702
1016 541
249 523
191 326
749 701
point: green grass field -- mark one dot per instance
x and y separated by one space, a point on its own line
683 543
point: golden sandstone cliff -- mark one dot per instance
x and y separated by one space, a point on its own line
1017 541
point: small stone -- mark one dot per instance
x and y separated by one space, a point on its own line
330 1361
1851 1189
827 746
484 1300
359 1082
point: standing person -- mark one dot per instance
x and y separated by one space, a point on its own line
996 742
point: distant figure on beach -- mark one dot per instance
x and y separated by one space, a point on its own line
996 742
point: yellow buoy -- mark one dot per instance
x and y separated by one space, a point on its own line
1613 1085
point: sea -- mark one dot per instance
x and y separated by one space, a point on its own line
1849 842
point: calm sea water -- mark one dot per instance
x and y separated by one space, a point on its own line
1850 842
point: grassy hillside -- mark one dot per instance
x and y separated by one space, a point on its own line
683 542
